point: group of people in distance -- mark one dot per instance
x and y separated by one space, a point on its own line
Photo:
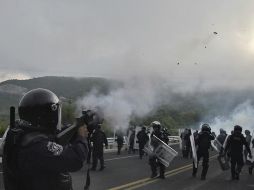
232 146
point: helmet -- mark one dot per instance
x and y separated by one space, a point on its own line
238 128
205 128
41 108
156 125
247 132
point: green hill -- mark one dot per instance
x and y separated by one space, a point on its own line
183 110
71 88
67 87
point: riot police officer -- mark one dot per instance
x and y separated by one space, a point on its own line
222 136
142 140
131 142
98 139
187 143
33 160
153 160
248 138
203 142
235 144
119 140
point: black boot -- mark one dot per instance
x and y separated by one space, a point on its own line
237 176
204 172
162 174
194 171
250 170
102 168
154 174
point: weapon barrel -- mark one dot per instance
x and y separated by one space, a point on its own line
66 135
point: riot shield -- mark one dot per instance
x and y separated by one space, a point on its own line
250 161
223 159
225 142
180 131
194 151
148 148
136 145
164 153
128 138
224 162
216 145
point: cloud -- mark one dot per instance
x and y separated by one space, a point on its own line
127 38
6 76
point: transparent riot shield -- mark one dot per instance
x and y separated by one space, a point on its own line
128 138
225 142
194 150
148 148
216 145
180 131
222 159
136 145
164 153
250 161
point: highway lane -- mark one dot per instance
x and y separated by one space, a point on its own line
127 171
123 171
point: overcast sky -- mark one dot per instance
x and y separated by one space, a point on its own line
126 38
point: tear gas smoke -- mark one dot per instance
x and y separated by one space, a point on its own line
138 97
242 115
135 98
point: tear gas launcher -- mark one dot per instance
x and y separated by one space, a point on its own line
90 118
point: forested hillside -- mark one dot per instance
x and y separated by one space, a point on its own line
183 110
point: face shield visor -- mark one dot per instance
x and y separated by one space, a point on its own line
59 122
55 117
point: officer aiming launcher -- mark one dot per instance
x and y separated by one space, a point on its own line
33 139
89 117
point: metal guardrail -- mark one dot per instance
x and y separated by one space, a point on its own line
174 139
112 143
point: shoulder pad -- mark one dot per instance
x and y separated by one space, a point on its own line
55 148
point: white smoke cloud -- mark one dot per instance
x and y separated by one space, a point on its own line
135 98
242 115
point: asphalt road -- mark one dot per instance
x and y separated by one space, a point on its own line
128 172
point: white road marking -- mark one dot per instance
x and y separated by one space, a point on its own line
119 158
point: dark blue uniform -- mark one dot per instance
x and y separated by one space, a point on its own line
203 142
153 161
120 141
235 144
98 138
39 163
142 140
